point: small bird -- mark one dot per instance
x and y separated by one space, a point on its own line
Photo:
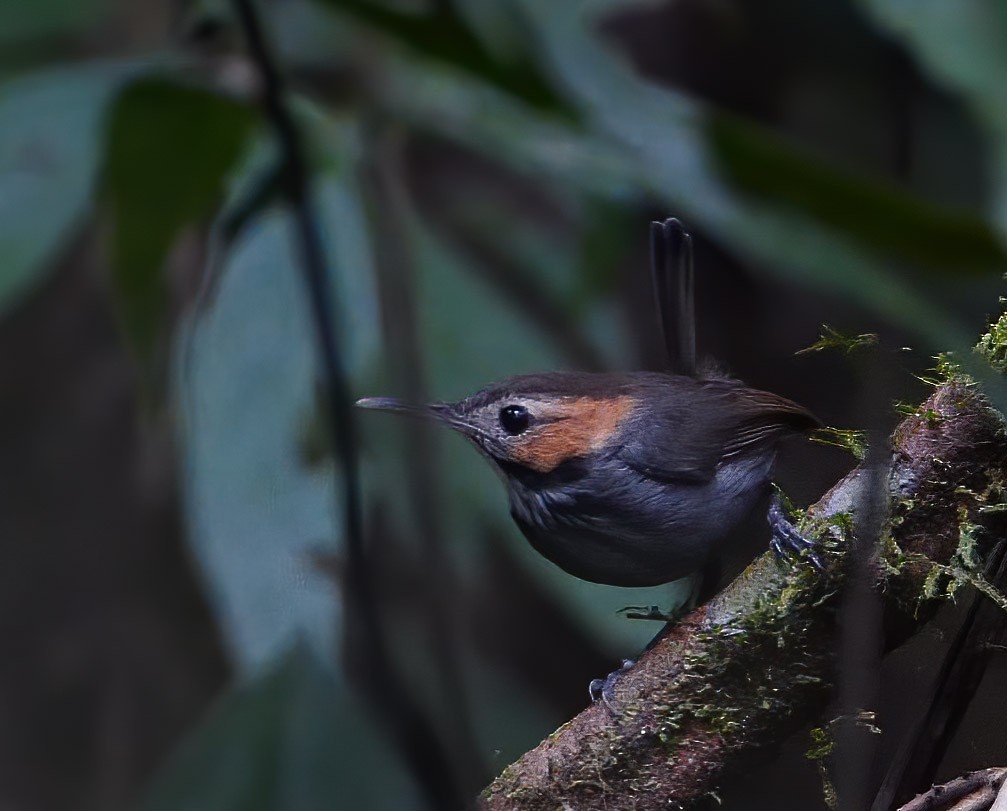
631 479
636 478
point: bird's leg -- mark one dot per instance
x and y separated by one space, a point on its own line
786 540
702 585
701 588
651 612
604 689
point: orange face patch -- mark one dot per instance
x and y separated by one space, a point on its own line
575 428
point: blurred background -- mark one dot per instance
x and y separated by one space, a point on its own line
175 626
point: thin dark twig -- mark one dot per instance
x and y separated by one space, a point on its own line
954 687
414 733
267 187
397 291
861 641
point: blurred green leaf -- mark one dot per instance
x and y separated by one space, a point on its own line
963 45
608 231
880 216
664 138
50 125
497 25
170 149
245 381
293 739
40 18
647 140
443 34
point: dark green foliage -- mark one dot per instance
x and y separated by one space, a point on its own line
170 149
440 33
879 215
289 739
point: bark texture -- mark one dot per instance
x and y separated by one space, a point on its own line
740 674
975 791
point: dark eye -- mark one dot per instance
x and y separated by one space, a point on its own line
515 419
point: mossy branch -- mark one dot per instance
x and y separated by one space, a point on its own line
740 674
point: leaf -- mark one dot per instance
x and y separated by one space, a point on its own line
50 125
245 381
292 739
444 35
43 18
853 441
961 45
880 216
170 149
650 142
666 138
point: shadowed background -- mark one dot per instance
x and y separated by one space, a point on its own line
483 172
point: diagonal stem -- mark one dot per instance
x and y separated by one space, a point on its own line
413 732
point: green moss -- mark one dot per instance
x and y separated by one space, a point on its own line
829 793
932 418
967 555
957 576
833 533
993 345
822 744
726 699
853 441
946 367
834 339
944 370
931 585
943 581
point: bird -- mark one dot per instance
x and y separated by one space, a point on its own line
627 479
632 478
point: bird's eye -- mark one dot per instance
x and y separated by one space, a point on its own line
515 419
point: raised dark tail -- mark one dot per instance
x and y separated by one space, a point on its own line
675 292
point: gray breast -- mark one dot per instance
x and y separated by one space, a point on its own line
628 530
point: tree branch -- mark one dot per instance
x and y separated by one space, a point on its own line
975 791
740 674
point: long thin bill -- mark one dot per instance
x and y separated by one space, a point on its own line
442 412
392 404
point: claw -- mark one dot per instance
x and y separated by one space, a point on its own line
604 689
786 540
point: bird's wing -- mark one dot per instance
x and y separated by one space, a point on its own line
688 431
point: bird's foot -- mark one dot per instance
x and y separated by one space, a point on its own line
651 612
603 690
786 540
